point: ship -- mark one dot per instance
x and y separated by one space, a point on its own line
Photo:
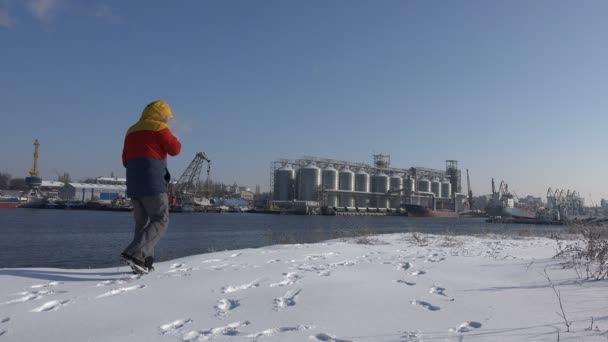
426 204
502 204
9 202
415 210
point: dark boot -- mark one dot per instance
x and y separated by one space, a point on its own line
148 263
137 266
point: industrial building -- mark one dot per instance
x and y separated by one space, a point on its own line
83 192
337 183
111 180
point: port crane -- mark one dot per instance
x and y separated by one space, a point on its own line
187 186
470 193
34 181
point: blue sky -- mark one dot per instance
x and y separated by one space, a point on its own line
514 90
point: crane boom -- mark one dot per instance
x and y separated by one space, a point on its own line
187 186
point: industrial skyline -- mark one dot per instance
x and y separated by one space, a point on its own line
513 90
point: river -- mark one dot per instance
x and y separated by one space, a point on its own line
94 239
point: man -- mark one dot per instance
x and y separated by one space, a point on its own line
145 156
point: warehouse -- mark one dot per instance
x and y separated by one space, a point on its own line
84 192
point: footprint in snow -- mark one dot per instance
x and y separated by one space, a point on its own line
327 338
174 326
404 266
121 290
225 306
408 283
25 298
233 288
440 291
426 305
4 320
176 265
290 279
434 257
51 306
235 255
312 268
288 299
54 283
410 336
111 282
218 267
343 263
418 272
323 256
274 331
180 269
31 295
228 330
466 327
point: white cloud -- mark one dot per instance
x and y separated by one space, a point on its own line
6 20
44 10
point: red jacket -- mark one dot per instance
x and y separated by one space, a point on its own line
145 156
150 139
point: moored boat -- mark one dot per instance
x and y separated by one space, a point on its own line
9 202
502 204
414 210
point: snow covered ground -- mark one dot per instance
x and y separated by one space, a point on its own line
398 288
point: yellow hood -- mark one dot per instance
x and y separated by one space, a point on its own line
157 111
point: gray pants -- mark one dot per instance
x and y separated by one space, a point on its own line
151 222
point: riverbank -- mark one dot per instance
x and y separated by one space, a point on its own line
397 287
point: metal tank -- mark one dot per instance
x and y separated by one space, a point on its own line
424 185
362 185
436 187
329 178
346 182
362 181
284 180
409 184
396 185
446 188
381 185
310 181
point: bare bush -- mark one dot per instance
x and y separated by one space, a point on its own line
558 294
450 241
418 239
365 236
588 253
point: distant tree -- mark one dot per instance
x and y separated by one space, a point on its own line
5 180
18 184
